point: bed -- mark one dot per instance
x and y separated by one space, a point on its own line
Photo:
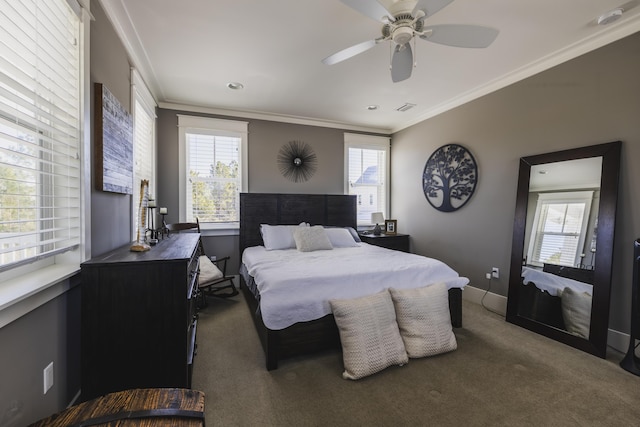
282 334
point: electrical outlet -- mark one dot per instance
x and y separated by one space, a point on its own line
495 272
47 376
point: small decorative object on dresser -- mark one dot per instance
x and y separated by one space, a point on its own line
391 227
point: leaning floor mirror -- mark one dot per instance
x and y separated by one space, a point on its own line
562 248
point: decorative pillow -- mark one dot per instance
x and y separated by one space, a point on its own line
424 320
340 238
369 333
277 237
576 312
309 239
208 271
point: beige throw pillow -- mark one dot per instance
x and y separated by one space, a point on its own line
576 312
311 239
424 320
369 333
208 271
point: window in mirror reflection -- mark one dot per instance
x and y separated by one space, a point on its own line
560 225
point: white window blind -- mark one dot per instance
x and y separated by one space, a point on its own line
39 130
213 171
143 142
367 171
560 228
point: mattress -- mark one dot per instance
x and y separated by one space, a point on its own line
296 286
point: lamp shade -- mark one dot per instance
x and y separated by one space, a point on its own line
377 218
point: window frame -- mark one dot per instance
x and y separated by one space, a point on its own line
27 287
585 197
140 94
210 126
369 142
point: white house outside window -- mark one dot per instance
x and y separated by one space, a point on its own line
213 170
367 174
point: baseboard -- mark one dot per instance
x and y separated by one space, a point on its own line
615 339
493 302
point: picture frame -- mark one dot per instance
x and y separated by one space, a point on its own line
390 226
113 159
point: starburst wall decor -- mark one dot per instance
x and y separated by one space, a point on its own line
297 161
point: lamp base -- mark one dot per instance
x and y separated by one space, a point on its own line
377 230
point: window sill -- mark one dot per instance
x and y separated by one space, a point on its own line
23 294
209 229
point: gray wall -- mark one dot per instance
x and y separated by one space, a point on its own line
590 100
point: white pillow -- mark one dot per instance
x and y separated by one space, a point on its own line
279 236
576 312
424 320
340 238
309 239
209 272
369 334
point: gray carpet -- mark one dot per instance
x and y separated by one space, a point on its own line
500 375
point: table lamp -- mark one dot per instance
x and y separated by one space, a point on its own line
377 218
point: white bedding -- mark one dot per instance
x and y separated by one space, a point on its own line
551 283
296 286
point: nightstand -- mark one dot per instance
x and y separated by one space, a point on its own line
399 242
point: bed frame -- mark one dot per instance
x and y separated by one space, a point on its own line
325 209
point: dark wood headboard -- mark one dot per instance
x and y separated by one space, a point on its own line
292 209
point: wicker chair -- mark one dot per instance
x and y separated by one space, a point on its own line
213 270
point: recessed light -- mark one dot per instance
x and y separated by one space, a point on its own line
372 107
542 172
235 86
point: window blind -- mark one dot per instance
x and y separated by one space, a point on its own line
39 130
558 233
214 177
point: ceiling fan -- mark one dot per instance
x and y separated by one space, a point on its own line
403 21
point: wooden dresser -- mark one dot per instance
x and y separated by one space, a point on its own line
139 317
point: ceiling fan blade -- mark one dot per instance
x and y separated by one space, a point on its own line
401 63
370 8
349 52
429 7
457 35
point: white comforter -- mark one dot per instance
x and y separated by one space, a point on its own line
297 286
553 284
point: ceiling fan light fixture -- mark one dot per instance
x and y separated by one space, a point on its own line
609 17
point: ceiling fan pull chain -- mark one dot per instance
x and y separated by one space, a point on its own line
415 54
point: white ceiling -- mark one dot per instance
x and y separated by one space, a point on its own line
187 51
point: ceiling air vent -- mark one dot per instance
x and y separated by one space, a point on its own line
405 107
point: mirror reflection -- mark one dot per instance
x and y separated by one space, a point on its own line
560 274
560 244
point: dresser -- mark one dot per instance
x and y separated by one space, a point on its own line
139 317
399 242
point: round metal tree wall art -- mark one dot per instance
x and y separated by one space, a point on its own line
449 178
297 161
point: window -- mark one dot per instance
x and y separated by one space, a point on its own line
144 148
41 95
367 173
559 228
213 170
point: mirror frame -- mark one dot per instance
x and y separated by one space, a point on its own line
597 342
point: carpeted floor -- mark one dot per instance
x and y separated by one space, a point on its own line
500 375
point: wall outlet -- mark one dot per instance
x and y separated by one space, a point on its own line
47 376
495 272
